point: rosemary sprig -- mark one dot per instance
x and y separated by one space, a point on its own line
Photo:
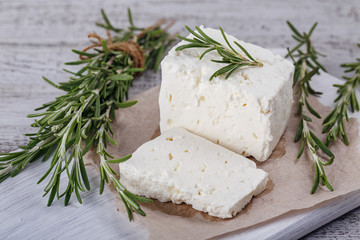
230 56
80 119
334 122
306 66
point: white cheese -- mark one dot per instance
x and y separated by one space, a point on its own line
181 167
246 113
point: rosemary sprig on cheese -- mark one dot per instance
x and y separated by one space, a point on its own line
80 119
306 66
346 99
232 58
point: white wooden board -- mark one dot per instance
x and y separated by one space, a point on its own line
36 38
27 216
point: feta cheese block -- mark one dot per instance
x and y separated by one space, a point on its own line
179 166
246 113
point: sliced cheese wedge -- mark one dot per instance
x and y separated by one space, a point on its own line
179 166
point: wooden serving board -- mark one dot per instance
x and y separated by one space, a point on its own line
25 214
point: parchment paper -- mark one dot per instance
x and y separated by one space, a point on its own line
288 189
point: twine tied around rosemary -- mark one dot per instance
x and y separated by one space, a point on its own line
130 47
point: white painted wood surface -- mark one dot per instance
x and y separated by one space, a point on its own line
36 38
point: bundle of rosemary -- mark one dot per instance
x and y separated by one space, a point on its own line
80 119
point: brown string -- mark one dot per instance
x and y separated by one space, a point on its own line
130 47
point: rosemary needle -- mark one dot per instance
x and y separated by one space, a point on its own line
333 123
80 119
306 66
232 58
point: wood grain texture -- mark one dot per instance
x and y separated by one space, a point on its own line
36 38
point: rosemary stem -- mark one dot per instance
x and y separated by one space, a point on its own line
6 170
229 56
302 77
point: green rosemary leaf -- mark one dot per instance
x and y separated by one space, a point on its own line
126 104
306 118
52 196
129 212
84 174
311 90
295 49
329 162
327 184
105 18
60 121
309 75
207 51
159 58
316 180
120 77
318 64
296 38
192 45
188 39
200 38
79 62
97 107
138 198
221 61
82 54
16 171
231 71
297 33
77 194
51 83
226 40
112 141
226 55
120 160
102 184
135 70
206 37
321 145
311 110
141 212
246 52
104 46
36 115
312 29
302 147
223 70
299 131
108 25
130 18
130 201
